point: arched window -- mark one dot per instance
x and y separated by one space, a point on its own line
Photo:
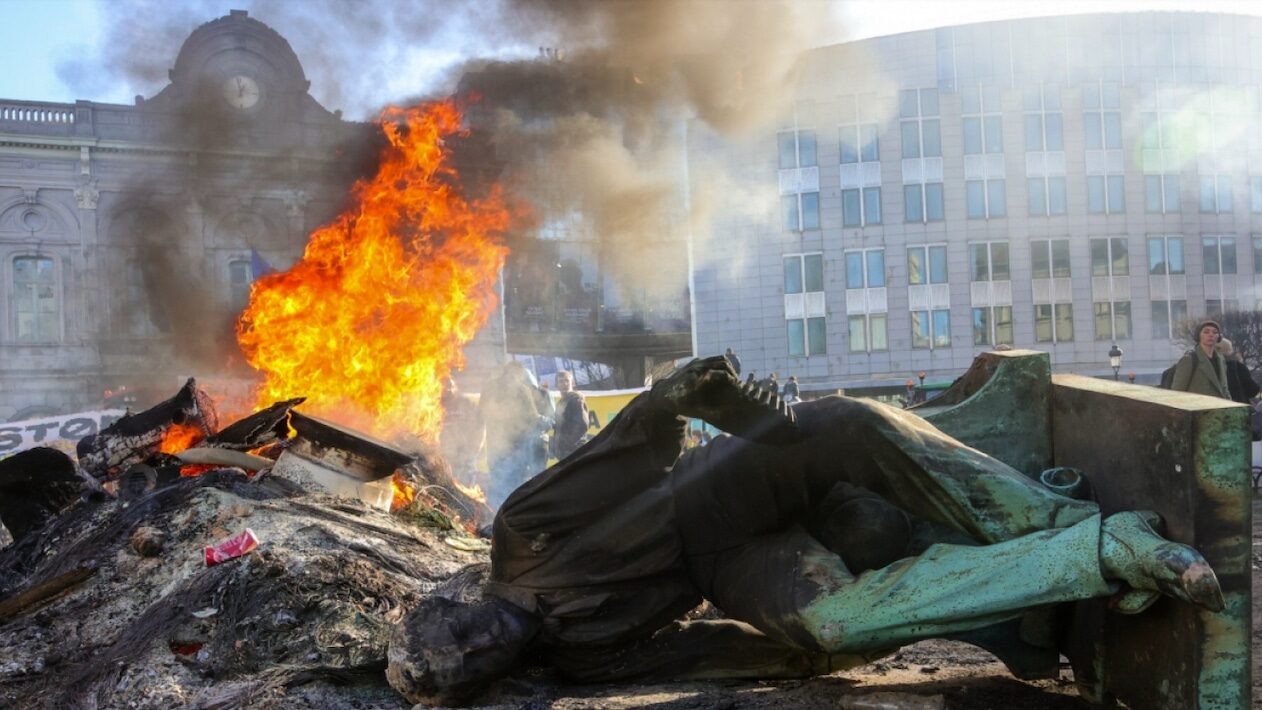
36 308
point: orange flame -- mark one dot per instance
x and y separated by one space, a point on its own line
375 315
404 493
180 437
475 491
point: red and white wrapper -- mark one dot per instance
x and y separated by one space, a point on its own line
240 544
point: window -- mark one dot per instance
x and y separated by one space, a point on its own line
1216 307
926 265
1165 256
919 126
986 198
1257 255
860 206
1161 193
1102 115
1046 195
983 120
865 269
1216 193
1166 317
867 333
1049 258
797 149
1255 194
931 329
1053 322
806 330
1106 194
801 211
989 261
240 278
860 144
1219 255
992 325
1110 257
922 202
1043 130
36 308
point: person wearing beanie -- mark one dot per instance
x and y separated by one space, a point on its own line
1202 370
1240 382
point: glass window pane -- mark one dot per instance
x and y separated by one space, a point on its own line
1040 261
1036 189
937 265
1056 195
1111 94
788 151
793 274
913 210
854 269
810 210
858 335
849 144
920 329
1117 194
1033 132
870 142
997 198
1151 137
1113 130
1051 97
908 103
1225 202
876 268
1161 319
994 134
1054 140
1122 320
872 205
1172 197
941 329
1174 249
1003 325
1255 194
1178 311
1121 257
933 142
990 99
972 135
813 265
970 100
817 336
806 148
1099 257
981 326
797 338
933 201
975 191
1042 323
1208 203
1064 322
1091 96
979 259
928 102
1228 247
1152 193
1095 134
877 326
999 261
911 139
1103 321
1095 194
1257 255
1209 255
1060 258
916 266
1156 256
789 208
850 215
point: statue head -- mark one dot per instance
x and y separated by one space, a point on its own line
446 652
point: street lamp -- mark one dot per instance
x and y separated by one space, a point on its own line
1115 360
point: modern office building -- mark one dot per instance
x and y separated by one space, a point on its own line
1062 184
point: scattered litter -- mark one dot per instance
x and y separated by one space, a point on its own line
206 613
240 544
467 544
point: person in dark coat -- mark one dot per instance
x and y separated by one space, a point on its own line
828 535
1202 370
791 393
736 361
571 417
1240 382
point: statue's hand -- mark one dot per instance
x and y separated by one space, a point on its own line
708 389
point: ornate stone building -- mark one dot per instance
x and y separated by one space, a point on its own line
129 235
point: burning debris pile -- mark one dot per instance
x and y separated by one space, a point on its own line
188 565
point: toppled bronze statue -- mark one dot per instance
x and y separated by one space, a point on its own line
828 535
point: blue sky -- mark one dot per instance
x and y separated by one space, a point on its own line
39 36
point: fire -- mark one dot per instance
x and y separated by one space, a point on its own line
475 491
376 313
404 493
180 437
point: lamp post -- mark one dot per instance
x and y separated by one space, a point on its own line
1115 360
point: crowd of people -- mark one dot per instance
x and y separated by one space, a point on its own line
1215 368
789 391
